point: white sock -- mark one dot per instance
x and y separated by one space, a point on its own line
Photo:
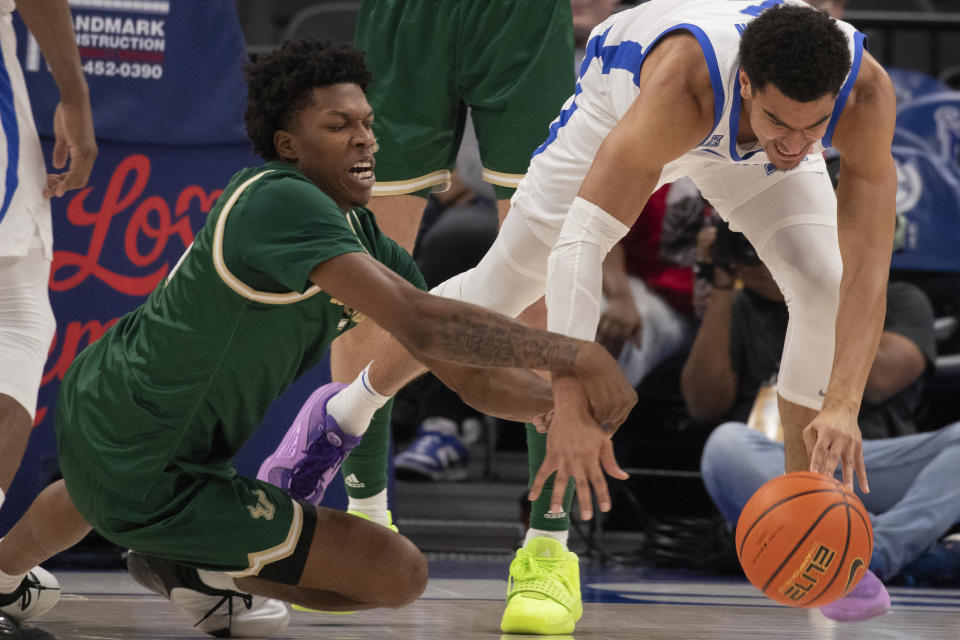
353 408
374 507
217 580
559 536
9 583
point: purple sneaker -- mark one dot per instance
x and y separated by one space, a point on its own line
312 451
867 600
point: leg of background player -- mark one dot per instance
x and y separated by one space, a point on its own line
365 469
527 610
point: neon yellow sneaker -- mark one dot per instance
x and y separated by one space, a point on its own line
543 593
389 525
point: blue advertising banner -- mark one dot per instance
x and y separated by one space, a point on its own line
168 97
160 71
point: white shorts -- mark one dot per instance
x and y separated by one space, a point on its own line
24 212
27 325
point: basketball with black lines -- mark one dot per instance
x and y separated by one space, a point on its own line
804 539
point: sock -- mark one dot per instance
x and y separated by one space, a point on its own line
374 507
540 518
217 580
354 407
2 497
9 583
365 469
559 536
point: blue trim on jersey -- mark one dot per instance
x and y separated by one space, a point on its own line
593 50
11 132
711 57
561 120
629 55
735 124
858 41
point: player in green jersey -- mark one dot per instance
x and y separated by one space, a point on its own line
150 416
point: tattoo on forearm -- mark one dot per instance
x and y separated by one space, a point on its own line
488 339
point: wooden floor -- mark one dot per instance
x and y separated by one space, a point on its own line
465 602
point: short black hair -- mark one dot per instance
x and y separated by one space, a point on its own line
800 51
279 84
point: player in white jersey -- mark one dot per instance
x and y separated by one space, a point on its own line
26 236
740 96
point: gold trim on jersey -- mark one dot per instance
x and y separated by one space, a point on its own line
259 559
501 179
356 316
403 187
234 282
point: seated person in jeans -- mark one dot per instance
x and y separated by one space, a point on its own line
914 498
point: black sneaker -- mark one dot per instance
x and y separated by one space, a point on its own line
222 613
9 629
37 593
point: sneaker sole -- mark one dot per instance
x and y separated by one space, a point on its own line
535 626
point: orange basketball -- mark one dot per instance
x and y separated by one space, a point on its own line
804 539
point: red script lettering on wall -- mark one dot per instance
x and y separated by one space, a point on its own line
150 218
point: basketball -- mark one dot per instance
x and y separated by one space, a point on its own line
804 539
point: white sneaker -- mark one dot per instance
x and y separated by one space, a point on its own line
37 593
220 612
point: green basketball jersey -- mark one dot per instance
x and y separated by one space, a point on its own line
185 378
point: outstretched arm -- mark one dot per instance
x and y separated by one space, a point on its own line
866 199
510 393
51 24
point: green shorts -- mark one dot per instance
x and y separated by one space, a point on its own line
510 61
218 521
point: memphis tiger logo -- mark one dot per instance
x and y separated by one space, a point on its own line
712 142
812 569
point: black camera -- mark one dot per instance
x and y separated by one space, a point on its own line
732 247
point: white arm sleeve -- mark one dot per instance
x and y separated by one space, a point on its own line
575 269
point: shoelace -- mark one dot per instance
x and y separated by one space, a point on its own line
228 596
531 568
29 583
306 473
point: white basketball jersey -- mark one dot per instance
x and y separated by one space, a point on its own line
24 212
609 83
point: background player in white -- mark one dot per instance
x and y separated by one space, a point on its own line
736 95
26 236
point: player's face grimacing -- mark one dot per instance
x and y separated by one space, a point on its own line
333 144
785 128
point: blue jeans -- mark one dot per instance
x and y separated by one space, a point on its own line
914 497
